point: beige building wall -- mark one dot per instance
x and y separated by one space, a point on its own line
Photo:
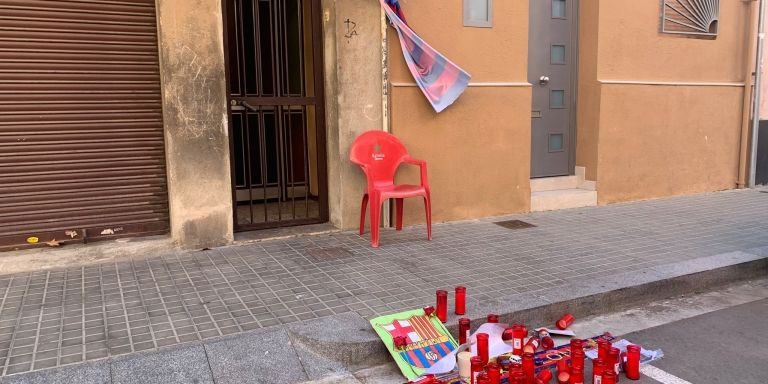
477 150
195 115
670 106
353 82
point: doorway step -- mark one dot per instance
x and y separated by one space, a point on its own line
564 192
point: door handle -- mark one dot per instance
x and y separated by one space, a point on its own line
544 80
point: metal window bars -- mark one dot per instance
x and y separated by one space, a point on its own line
690 17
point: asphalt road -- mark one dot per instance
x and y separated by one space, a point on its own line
725 346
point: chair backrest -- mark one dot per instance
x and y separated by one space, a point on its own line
380 153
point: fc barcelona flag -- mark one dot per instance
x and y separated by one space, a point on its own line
427 342
426 345
441 81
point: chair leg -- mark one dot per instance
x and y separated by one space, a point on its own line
375 213
428 209
399 208
362 213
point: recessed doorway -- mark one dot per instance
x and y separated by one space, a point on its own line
277 119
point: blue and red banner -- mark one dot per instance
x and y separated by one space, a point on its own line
441 81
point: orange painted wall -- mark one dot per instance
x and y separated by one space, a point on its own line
478 150
588 106
667 139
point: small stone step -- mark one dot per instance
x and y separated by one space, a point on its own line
562 199
554 183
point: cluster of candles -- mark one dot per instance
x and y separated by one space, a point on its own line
460 305
479 369
606 368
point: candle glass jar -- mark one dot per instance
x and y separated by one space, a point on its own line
609 377
519 332
494 373
529 367
477 367
576 344
464 327
565 321
599 366
460 300
544 377
633 362
614 361
482 347
442 305
577 375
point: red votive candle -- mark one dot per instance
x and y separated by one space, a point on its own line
532 345
577 359
519 332
614 360
442 305
562 366
577 375
517 377
603 346
565 321
482 347
609 377
492 318
576 345
544 377
464 326
633 362
599 366
477 368
529 367
515 367
461 300
564 378
546 340
494 373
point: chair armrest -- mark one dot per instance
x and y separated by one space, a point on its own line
422 165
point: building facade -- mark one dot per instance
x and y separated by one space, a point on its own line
204 118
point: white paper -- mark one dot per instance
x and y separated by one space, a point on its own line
557 332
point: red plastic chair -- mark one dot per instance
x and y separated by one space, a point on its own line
379 154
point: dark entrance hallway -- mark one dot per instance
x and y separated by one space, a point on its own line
277 116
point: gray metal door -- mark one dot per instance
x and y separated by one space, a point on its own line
551 64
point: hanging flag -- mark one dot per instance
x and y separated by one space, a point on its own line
441 81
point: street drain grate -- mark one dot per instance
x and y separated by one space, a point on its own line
329 254
514 224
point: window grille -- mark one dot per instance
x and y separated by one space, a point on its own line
690 17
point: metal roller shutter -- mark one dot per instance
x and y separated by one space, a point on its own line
81 131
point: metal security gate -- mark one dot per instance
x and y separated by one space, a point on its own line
277 116
81 131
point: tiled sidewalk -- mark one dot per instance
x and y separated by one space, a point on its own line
57 317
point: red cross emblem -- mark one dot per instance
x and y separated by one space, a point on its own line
396 329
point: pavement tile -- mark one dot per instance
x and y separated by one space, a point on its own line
181 365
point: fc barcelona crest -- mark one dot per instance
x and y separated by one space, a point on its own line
416 340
